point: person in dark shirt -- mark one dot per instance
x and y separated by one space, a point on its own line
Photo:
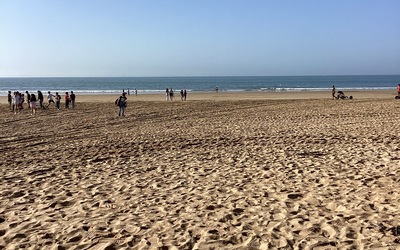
10 99
72 97
41 98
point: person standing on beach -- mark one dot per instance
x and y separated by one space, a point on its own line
67 99
33 104
10 99
333 92
50 98
28 99
184 94
72 97
122 103
41 98
398 90
16 102
135 92
58 101
166 94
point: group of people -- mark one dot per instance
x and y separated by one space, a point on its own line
17 100
169 94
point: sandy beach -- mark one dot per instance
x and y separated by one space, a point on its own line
219 171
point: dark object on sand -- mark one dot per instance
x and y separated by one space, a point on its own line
341 95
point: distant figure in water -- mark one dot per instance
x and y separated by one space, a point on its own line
333 92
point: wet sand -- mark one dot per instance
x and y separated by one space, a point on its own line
219 171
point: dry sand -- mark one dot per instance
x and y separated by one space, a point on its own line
229 171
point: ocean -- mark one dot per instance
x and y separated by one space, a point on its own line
143 85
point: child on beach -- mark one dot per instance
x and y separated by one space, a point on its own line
32 104
67 100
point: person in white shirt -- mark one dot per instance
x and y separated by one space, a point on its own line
50 98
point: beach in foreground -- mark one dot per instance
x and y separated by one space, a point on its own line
215 172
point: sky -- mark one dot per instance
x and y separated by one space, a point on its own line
111 38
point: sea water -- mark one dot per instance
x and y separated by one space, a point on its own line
143 85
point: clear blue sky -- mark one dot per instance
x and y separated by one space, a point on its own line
199 37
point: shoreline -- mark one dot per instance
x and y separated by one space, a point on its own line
240 95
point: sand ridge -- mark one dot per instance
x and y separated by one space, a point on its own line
228 174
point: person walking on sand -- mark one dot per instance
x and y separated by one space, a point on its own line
10 99
41 98
50 98
333 92
72 97
67 100
33 104
58 101
167 94
28 98
122 103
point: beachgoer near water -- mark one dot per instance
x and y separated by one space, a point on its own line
50 98
21 101
10 99
184 94
41 98
58 101
166 94
333 92
16 102
28 98
398 90
136 92
67 100
72 97
171 94
181 94
122 103
33 104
